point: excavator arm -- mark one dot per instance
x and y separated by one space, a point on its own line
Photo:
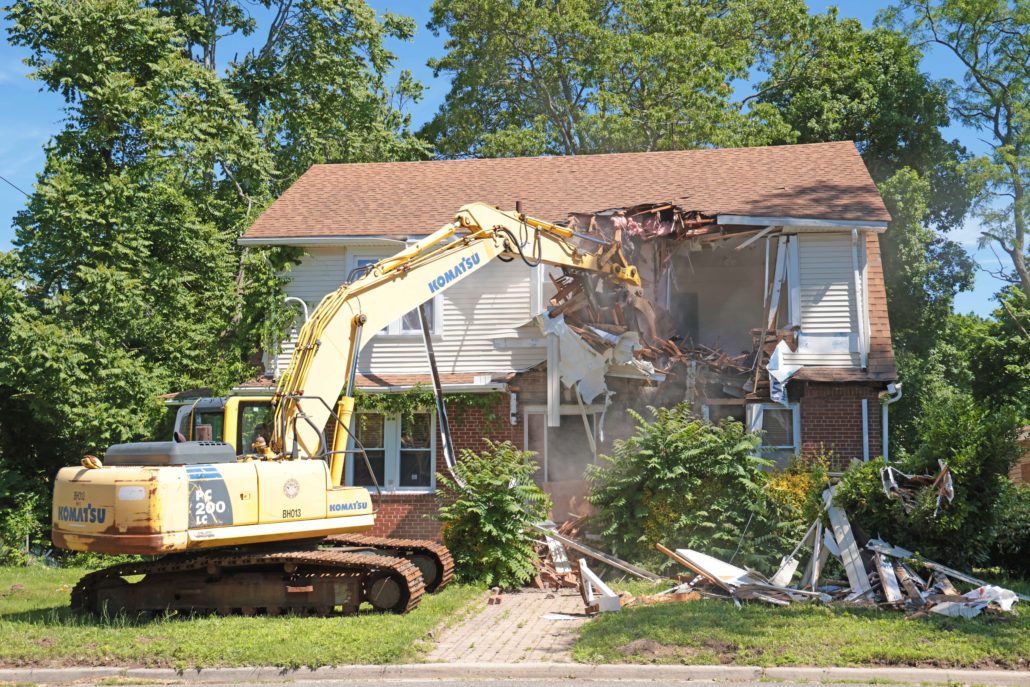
324 360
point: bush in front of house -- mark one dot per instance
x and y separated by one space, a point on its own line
486 509
1011 548
687 483
978 445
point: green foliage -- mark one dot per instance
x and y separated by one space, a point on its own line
1011 549
486 509
419 398
999 355
978 446
127 280
837 81
923 270
988 37
687 483
585 76
20 519
317 89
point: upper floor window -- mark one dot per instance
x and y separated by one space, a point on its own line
409 323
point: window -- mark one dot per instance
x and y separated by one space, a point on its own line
206 426
409 324
254 420
401 450
370 428
781 430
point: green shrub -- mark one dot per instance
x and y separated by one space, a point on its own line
23 515
485 521
687 483
978 445
1011 549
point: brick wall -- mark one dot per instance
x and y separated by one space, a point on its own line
831 420
413 515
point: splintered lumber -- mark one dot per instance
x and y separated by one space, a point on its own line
598 555
907 581
888 580
689 565
896 551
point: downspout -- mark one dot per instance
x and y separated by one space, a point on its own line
891 395
865 430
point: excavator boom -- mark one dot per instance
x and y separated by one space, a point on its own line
348 318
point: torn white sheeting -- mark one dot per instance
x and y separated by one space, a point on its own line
725 572
850 556
1005 598
779 372
954 609
579 364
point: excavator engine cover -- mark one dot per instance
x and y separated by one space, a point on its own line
170 453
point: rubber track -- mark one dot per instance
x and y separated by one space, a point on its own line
437 551
331 561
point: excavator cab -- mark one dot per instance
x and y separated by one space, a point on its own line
235 420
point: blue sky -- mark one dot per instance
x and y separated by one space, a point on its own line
29 117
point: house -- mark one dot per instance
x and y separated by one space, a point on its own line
788 251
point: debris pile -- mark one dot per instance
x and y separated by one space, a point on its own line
553 569
878 574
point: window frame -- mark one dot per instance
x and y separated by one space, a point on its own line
392 423
756 422
395 330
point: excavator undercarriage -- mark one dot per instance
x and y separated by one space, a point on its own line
334 576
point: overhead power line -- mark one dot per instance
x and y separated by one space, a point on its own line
14 186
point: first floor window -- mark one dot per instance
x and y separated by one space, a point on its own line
401 450
781 430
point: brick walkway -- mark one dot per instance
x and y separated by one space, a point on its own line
515 630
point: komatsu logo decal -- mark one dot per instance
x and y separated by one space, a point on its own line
85 513
463 266
353 505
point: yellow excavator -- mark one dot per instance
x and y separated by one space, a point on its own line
249 513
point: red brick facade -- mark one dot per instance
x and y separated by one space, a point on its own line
831 420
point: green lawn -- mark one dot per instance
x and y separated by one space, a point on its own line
38 629
714 631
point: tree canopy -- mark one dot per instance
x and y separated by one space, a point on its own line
588 76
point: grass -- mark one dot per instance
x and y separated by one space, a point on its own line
713 631
39 630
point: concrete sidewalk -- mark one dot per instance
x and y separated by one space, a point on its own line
522 671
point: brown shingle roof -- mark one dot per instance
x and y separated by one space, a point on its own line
396 199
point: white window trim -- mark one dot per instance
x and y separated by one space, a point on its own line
392 459
393 330
755 412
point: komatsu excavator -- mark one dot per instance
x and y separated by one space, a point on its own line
256 518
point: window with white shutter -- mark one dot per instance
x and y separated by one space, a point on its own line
827 300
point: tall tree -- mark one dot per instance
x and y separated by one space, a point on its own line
837 81
582 76
991 39
127 280
923 270
315 82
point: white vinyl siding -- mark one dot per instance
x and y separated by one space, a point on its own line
472 315
826 301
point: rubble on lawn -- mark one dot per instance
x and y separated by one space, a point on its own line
878 573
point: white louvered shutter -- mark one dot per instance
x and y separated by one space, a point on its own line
827 301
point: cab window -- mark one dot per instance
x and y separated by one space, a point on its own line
206 426
254 420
